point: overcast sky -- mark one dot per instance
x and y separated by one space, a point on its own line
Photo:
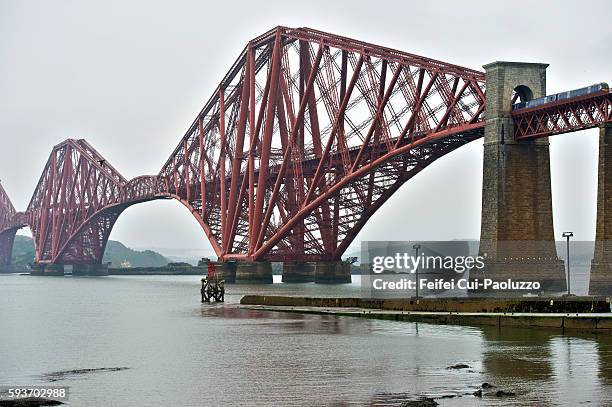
130 76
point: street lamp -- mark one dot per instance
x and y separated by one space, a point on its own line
416 248
567 235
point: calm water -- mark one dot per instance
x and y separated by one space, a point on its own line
181 353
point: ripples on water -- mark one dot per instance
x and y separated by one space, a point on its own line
180 352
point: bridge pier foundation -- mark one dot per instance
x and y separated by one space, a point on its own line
517 234
99 270
7 239
90 269
81 269
52 269
37 269
298 272
332 272
254 272
601 265
226 270
46 269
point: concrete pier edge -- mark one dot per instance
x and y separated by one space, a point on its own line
572 304
594 323
595 315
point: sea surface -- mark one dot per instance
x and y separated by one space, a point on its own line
147 341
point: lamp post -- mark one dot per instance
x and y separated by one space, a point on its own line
567 235
416 248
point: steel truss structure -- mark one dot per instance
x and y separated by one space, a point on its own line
306 136
9 224
563 116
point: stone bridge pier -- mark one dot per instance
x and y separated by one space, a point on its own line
7 238
517 234
601 266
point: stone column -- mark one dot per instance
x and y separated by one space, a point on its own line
226 270
517 225
332 272
7 238
254 272
298 272
601 265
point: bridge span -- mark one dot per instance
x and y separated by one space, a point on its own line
304 139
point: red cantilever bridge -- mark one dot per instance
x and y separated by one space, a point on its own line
306 136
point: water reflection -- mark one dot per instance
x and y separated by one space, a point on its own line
180 352
575 362
603 345
511 354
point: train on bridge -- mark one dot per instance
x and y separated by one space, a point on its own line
593 89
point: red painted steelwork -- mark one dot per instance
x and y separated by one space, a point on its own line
10 222
306 136
563 116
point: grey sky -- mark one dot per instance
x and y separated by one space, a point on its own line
130 76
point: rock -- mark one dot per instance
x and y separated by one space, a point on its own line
29 402
486 385
459 366
477 393
501 393
422 402
63 374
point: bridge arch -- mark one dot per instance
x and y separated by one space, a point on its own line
87 244
429 150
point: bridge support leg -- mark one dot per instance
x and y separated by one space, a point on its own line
7 238
332 272
517 234
298 272
601 265
254 272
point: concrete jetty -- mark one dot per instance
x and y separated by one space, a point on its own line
589 314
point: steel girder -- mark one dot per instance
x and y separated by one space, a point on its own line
7 211
563 116
76 185
10 222
308 134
